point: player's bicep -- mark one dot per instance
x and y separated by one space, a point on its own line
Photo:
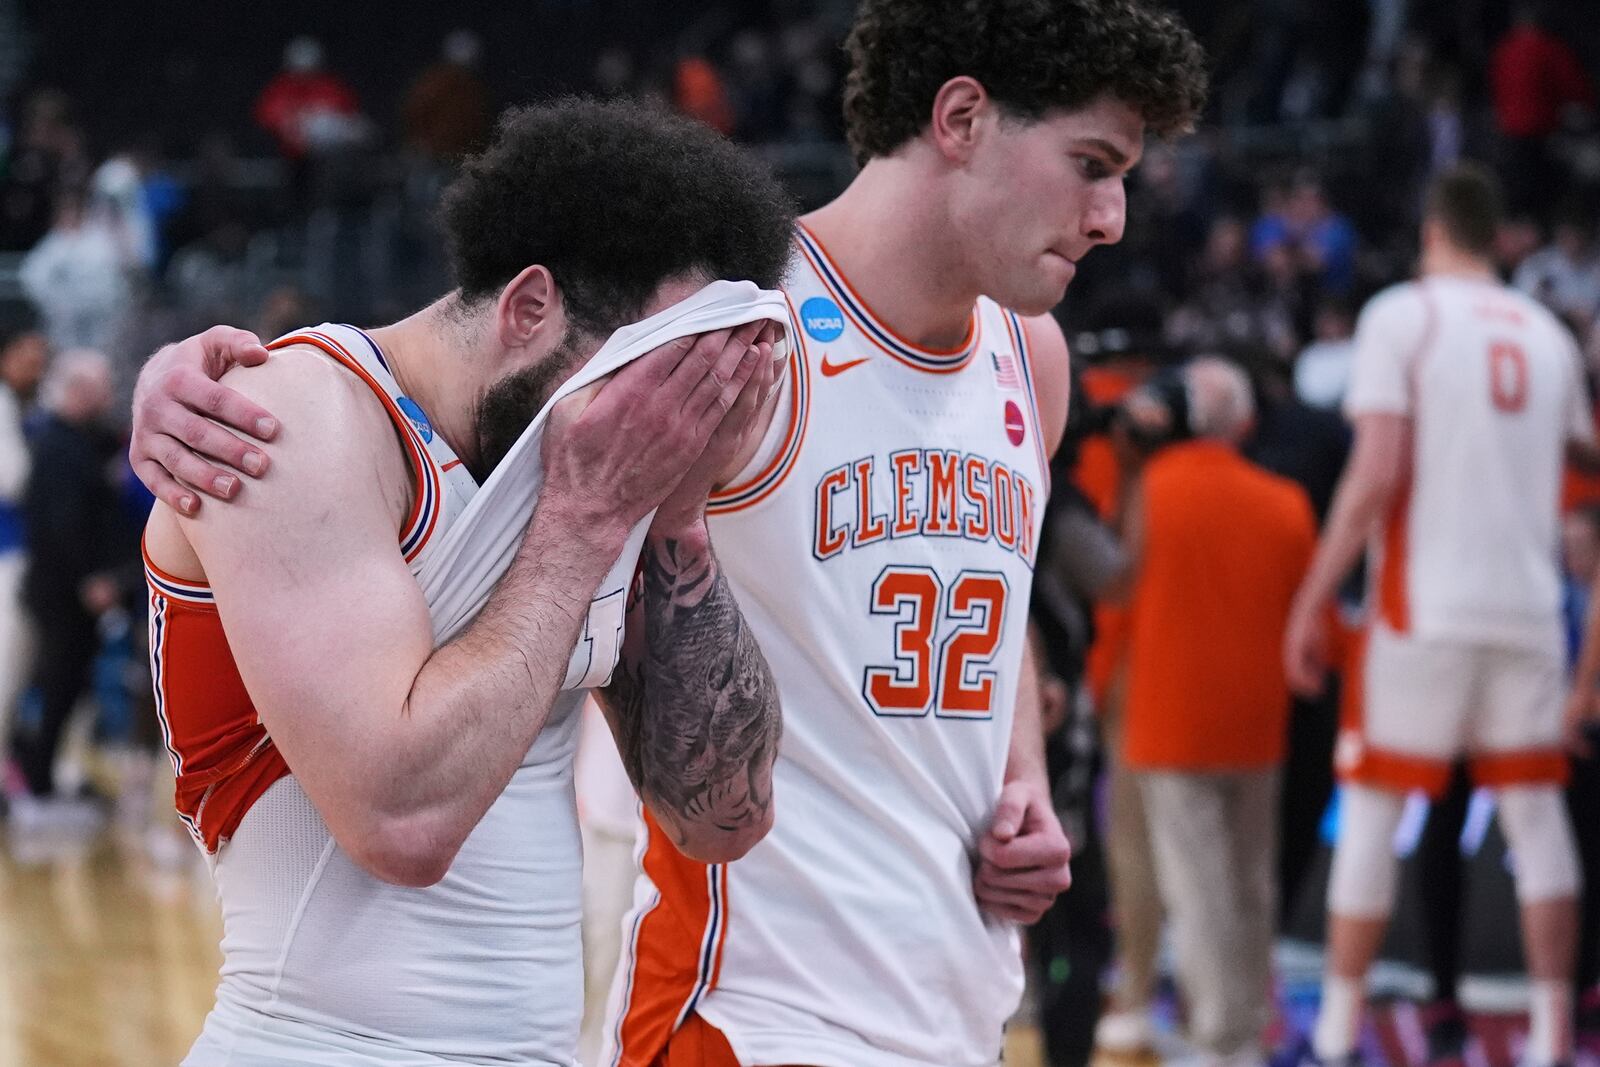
324 620
1380 461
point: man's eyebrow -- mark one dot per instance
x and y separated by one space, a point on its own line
1116 155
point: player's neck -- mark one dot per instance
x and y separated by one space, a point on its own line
1442 261
425 354
891 246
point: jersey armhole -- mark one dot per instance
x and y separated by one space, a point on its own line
427 493
1019 339
780 447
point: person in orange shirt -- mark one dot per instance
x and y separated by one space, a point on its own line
1219 545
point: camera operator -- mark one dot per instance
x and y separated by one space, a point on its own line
1080 561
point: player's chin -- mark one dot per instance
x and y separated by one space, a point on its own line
1038 298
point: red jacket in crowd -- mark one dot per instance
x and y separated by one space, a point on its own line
1533 76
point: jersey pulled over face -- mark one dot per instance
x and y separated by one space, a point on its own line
881 546
1494 388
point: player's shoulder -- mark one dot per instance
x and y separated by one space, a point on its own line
1540 315
1281 503
302 378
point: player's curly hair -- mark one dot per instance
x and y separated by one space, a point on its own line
1031 55
614 198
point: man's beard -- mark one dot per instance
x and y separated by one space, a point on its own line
512 402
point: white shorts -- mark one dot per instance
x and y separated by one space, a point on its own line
1425 704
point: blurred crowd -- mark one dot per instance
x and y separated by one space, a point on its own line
1253 243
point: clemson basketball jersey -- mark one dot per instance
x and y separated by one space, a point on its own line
1494 387
881 547
323 963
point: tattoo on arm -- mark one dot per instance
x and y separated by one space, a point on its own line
696 709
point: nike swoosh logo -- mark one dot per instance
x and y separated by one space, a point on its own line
830 369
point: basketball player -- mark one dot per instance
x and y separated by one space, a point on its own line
392 826
880 538
1465 396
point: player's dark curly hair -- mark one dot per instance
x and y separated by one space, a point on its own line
1032 56
614 198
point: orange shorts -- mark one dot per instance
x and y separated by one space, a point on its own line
696 1044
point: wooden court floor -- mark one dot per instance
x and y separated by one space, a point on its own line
108 957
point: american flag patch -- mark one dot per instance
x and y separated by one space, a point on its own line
1005 370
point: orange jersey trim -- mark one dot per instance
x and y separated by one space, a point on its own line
674 954
764 483
1394 597
1395 771
1019 339
428 497
1523 767
917 357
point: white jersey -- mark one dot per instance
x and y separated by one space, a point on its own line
1494 387
881 548
325 964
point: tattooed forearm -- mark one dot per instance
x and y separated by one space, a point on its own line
695 707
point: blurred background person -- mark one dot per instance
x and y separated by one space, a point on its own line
1218 547
305 107
1538 85
1564 275
48 155
80 274
1081 562
24 355
78 569
446 110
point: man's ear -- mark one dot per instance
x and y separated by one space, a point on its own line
962 112
528 308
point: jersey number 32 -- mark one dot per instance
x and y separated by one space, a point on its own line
953 675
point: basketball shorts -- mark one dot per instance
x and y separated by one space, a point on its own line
1422 705
696 1044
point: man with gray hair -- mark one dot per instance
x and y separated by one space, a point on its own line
1218 547
77 544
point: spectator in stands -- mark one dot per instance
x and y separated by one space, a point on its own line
78 562
305 106
1319 242
1580 553
1565 274
446 112
48 155
23 357
212 197
1218 547
79 274
1230 303
208 278
757 88
1517 237
1323 369
615 73
699 92
1535 80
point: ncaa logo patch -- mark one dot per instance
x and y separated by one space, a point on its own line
822 318
419 418
1016 429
